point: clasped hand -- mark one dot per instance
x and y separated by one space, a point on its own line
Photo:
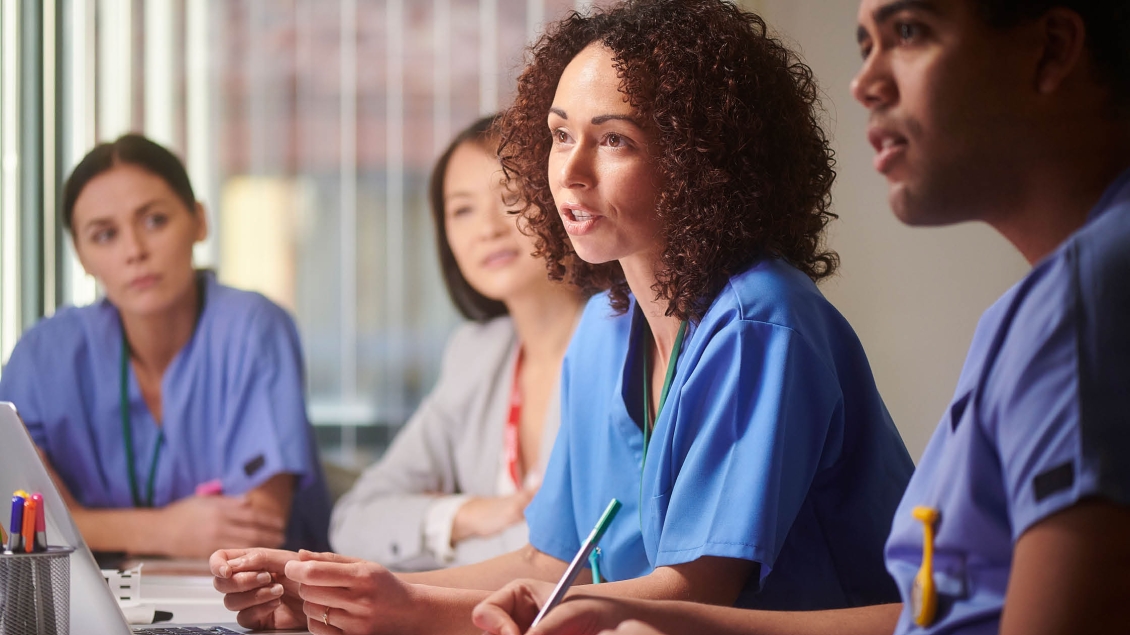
490 515
197 525
330 594
326 593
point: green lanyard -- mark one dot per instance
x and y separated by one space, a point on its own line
648 420
127 433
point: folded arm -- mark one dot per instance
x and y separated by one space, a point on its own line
191 527
586 613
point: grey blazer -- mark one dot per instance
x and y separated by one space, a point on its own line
451 445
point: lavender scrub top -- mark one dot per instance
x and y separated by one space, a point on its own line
1039 421
232 399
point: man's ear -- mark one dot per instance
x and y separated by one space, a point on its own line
1064 48
201 222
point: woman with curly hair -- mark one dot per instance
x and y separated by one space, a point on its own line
711 388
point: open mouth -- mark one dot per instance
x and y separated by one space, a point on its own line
889 148
577 220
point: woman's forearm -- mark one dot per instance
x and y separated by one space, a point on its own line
708 580
443 610
129 530
686 618
492 574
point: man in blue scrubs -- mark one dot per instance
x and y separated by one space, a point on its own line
1015 113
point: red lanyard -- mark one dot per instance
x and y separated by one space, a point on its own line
513 419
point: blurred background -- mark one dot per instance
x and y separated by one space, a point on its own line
309 128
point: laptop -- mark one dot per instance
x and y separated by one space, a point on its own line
94 610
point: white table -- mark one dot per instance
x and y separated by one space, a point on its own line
183 588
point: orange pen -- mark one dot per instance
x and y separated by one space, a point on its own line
29 525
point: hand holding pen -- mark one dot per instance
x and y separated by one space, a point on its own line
509 610
528 602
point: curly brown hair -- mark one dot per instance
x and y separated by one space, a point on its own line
746 168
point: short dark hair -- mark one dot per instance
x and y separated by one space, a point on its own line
744 167
133 149
471 304
1108 31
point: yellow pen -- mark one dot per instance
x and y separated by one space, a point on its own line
924 596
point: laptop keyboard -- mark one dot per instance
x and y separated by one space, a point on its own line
183 631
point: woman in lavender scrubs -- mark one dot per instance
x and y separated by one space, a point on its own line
171 410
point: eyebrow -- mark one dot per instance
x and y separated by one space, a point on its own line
885 12
95 224
600 119
606 118
102 221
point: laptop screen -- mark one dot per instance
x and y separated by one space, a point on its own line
94 611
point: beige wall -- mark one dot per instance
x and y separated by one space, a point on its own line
913 295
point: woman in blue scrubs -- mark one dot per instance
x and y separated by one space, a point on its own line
671 156
172 409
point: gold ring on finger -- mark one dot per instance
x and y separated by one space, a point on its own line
326 616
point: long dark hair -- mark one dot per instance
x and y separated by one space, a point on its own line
471 304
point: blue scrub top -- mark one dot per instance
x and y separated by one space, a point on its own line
232 401
773 446
1038 422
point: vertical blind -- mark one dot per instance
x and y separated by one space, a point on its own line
308 128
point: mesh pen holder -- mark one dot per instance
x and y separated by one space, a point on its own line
35 590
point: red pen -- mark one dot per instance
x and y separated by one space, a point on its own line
40 522
29 525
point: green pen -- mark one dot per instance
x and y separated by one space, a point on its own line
594 565
578 560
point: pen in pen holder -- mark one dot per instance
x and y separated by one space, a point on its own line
35 592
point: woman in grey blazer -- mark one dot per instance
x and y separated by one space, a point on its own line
452 488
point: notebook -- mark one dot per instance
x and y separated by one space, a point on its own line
94 610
